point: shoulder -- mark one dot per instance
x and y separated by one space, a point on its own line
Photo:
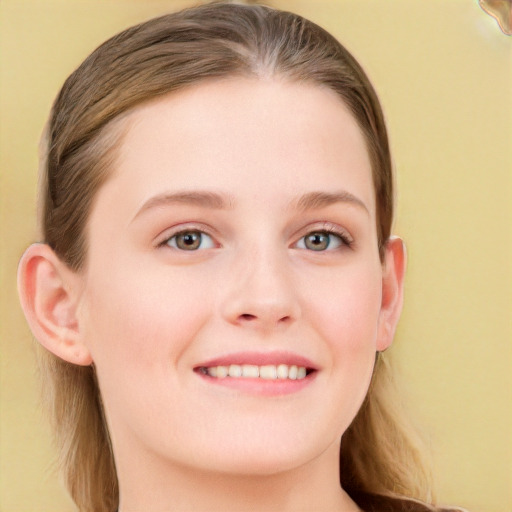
380 503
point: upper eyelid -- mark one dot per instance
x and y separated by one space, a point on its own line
328 227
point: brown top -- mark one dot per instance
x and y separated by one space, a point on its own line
379 503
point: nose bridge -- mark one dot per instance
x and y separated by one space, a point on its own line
261 290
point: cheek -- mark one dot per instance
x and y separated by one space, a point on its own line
347 306
346 315
138 330
135 322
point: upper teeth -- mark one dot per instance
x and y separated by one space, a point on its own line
269 371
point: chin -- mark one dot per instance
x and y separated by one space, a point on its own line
251 455
262 465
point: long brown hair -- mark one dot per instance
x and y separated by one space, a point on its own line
378 452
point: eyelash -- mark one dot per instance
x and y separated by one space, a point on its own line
325 229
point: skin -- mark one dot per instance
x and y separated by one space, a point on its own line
147 313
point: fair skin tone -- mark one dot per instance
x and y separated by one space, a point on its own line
238 228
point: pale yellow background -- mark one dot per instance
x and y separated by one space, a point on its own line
443 71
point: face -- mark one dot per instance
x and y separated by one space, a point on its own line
237 236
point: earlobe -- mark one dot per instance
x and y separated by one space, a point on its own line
392 291
49 295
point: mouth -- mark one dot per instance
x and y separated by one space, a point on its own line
251 371
273 373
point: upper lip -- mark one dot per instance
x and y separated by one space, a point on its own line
259 359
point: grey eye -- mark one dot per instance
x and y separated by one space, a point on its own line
320 241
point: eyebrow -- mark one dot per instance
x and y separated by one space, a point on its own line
214 201
202 199
317 200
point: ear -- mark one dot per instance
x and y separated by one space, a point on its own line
49 294
393 271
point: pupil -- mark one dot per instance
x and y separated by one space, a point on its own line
190 240
318 241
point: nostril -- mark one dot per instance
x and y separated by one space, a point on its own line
247 316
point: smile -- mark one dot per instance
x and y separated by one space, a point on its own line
268 374
251 371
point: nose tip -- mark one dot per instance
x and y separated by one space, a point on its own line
261 314
264 298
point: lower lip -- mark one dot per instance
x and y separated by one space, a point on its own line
262 387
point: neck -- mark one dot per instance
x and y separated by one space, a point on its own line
313 486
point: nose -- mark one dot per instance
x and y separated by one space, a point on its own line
261 294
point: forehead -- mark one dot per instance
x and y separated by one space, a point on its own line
246 137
